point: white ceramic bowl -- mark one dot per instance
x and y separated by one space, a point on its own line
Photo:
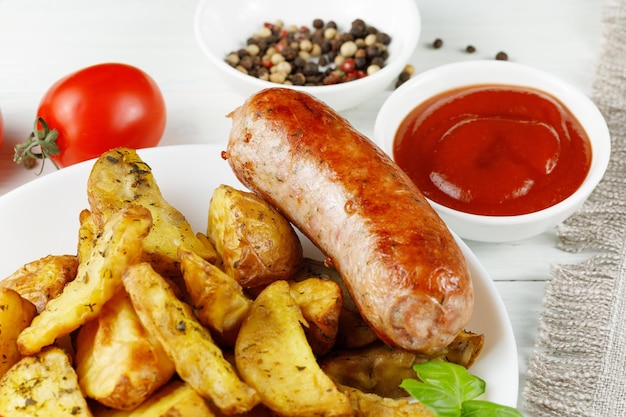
435 81
223 26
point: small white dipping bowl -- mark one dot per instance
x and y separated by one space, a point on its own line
438 80
222 27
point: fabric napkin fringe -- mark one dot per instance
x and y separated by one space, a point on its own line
575 357
578 367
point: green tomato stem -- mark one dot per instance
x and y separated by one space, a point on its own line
41 144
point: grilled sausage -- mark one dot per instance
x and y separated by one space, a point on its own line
398 259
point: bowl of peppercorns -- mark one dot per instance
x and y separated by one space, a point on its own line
343 53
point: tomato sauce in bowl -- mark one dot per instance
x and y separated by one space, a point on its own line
497 150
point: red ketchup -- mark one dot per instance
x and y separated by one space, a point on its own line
493 150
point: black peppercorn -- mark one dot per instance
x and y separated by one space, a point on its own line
299 62
378 61
358 29
298 79
247 62
289 53
372 51
383 38
502 56
360 63
310 68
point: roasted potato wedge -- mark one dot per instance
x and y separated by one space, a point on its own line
380 369
256 243
217 297
120 177
87 235
98 279
214 259
198 360
119 363
16 314
353 332
320 302
376 369
372 405
273 356
176 399
464 349
43 279
42 385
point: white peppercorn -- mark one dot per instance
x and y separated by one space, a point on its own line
253 49
348 49
339 60
275 58
264 32
305 45
283 66
370 39
304 55
232 59
316 50
278 77
372 69
330 33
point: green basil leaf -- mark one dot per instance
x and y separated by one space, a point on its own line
477 408
452 378
441 402
449 390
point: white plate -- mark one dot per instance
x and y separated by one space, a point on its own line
41 218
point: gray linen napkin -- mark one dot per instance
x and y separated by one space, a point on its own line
578 367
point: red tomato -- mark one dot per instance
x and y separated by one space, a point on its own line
102 107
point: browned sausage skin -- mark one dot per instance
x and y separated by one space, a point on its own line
400 262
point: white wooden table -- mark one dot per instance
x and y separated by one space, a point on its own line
41 41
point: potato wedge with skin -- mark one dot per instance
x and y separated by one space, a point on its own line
86 235
372 405
43 279
118 362
214 259
218 298
376 369
353 332
273 356
97 280
175 399
256 243
120 177
464 349
198 360
320 302
380 369
16 313
42 385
